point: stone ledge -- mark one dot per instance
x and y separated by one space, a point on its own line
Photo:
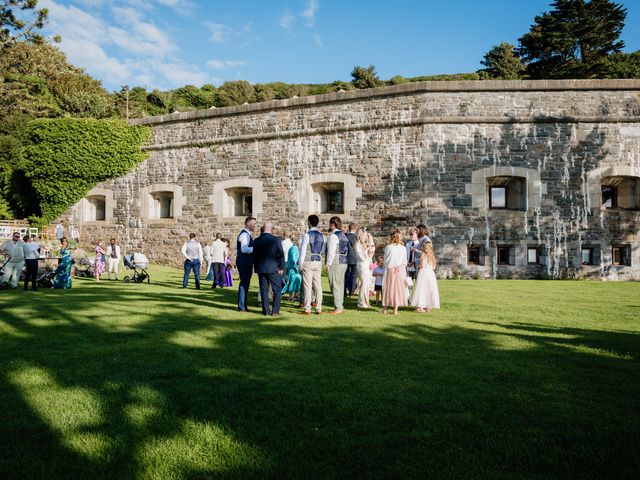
406 88
457 120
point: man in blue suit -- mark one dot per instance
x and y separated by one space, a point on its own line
244 261
268 257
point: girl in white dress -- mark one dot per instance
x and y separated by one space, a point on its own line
364 272
425 292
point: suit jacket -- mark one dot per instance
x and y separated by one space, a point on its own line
109 250
352 256
268 254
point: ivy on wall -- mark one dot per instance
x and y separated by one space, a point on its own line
64 158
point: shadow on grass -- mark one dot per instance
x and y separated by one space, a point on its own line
186 393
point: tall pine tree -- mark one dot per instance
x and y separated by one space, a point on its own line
574 39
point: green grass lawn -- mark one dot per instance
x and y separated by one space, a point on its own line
511 379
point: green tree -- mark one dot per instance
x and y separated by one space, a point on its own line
236 92
502 62
35 78
365 77
14 27
397 80
623 65
574 39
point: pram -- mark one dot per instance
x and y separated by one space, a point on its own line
4 285
46 278
138 263
84 268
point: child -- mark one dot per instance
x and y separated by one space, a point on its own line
378 274
425 293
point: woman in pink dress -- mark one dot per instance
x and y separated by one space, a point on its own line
98 263
394 286
425 293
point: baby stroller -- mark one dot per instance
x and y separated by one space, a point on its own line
84 268
4 285
138 263
46 278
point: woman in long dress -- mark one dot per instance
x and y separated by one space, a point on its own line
364 272
63 272
99 263
394 286
206 252
425 293
294 279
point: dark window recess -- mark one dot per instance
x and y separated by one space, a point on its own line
621 255
475 255
508 193
620 192
506 255
609 197
588 256
334 201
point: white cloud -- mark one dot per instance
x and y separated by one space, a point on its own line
180 74
219 33
287 19
225 64
309 12
317 38
132 51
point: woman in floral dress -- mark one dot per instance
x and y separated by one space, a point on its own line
99 263
63 272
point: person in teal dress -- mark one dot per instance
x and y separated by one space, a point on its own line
294 279
63 272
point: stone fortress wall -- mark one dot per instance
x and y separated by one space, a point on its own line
515 179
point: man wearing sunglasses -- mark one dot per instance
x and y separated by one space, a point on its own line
13 269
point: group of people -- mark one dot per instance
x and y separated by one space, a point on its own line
216 258
284 266
26 252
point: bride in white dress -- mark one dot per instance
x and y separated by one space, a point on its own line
425 292
364 260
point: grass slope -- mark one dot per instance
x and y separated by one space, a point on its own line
511 379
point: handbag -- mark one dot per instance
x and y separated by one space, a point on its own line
408 282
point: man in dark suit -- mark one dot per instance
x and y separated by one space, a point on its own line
351 274
268 257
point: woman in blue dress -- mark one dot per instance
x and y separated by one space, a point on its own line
294 279
63 272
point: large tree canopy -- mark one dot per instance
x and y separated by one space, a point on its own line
574 39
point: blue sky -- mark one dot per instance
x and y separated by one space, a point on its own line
169 43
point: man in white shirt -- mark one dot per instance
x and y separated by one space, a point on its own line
13 269
337 261
31 252
113 258
218 252
312 248
244 261
60 231
192 252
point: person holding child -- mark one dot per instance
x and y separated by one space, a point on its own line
425 292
